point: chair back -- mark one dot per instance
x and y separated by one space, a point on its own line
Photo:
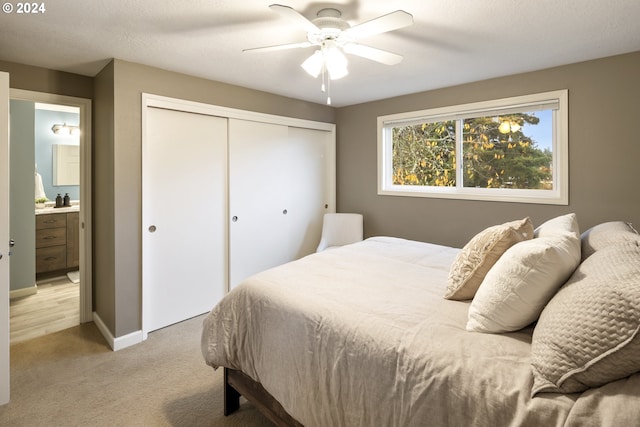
339 229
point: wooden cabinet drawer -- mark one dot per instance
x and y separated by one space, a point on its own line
73 239
51 237
57 242
51 221
50 259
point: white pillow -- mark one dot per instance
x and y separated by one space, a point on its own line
559 224
515 291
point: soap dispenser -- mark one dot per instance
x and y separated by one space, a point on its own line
58 201
67 200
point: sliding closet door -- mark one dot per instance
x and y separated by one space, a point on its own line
258 197
309 187
184 215
279 189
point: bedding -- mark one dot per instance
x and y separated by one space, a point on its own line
362 336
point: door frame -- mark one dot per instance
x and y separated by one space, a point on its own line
86 141
4 238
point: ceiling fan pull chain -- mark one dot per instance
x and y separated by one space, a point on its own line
326 83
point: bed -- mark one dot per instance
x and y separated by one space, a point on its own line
361 336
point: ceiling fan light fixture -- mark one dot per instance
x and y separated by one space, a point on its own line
335 61
335 36
336 71
313 64
329 58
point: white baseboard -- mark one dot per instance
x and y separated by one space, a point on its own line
23 292
117 343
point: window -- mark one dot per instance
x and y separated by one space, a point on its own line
512 149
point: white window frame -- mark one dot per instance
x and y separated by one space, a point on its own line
559 195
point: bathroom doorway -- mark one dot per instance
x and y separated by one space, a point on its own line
50 212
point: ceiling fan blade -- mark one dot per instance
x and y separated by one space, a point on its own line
392 21
372 53
294 16
279 47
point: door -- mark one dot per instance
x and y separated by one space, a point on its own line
310 191
4 238
85 259
258 197
279 189
184 215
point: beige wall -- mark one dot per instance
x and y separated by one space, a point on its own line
604 154
103 198
118 252
38 79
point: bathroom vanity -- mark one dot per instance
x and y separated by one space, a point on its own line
57 240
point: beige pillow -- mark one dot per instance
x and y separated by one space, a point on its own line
476 258
605 234
589 333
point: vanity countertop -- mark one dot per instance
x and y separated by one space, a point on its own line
52 210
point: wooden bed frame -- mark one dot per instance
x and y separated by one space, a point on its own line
236 383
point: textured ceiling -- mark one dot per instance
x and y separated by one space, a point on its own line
451 41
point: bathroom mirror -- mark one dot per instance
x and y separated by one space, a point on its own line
66 164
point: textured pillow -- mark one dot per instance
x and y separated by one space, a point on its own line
605 234
479 255
524 279
589 333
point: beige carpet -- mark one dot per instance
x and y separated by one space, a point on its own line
72 378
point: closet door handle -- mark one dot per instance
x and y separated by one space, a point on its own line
284 212
234 218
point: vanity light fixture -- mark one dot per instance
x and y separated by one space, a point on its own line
65 129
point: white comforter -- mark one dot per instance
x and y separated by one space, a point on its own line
361 336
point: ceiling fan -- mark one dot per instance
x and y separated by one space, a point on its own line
334 36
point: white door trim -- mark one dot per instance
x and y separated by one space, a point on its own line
150 100
86 312
4 238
